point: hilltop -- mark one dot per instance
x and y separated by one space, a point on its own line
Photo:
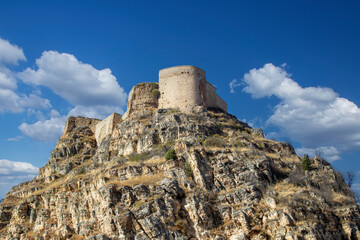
163 173
225 181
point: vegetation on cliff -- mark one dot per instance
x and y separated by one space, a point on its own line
163 174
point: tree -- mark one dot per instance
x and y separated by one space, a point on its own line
306 163
318 153
350 178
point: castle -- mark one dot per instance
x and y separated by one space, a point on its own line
185 87
180 87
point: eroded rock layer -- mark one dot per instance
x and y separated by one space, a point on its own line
225 182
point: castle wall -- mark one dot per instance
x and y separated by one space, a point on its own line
220 103
182 87
106 126
211 96
74 122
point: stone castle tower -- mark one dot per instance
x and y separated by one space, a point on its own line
185 87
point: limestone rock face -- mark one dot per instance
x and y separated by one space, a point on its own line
142 96
227 182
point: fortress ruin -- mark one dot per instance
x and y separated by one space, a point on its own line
180 87
185 87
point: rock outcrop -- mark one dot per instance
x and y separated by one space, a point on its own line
226 182
142 96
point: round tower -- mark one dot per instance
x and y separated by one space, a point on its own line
182 87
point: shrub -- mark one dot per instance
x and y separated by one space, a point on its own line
154 85
155 93
138 157
297 177
188 170
171 154
306 163
214 141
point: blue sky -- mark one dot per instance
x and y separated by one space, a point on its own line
292 66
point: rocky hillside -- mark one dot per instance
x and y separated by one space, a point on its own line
162 174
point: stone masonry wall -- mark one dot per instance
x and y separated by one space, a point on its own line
106 126
184 87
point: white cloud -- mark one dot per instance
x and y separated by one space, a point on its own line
7 81
10 53
94 93
314 116
329 153
234 84
10 168
96 111
15 139
12 173
45 130
77 82
9 99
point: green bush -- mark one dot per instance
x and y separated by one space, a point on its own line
171 154
306 163
188 170
154 85
155 93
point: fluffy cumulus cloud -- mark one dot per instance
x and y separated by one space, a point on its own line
9 99
93 93
314 116
12 173
77 82
10 53
45 130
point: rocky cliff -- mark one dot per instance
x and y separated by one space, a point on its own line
223 180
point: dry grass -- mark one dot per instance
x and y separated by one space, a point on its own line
77 237
143 179
273 155
10 201
155 161
340 198
286 189
52 185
